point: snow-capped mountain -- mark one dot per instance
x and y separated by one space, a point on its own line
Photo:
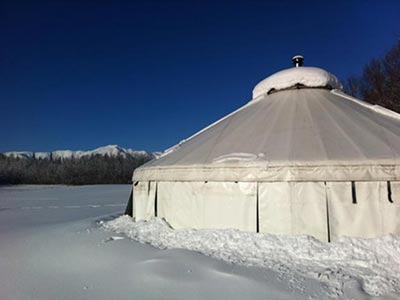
110 150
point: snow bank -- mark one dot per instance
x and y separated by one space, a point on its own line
374 263
307 76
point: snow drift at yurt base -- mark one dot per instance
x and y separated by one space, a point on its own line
302 157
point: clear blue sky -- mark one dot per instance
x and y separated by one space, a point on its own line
82 74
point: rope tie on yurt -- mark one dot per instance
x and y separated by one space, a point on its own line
353 192
155 201
389 189
257 211
327 213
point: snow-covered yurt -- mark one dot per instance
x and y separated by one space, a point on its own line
301 157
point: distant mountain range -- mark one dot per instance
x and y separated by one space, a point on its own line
110 151
109 164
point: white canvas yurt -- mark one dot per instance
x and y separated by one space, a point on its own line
301 157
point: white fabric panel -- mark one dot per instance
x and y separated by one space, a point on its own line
208 204
144 193
293 208
361 219
177 204
390 211
274 205
309 209
229 205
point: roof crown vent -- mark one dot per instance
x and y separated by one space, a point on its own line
298 61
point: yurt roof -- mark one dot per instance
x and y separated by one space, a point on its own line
299 126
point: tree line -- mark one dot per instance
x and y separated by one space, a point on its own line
95 169
380 80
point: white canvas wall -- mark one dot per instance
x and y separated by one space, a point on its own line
144 194
326 211
391 211
369 215
293 208
208 204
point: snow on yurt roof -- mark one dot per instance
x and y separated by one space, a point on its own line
304 76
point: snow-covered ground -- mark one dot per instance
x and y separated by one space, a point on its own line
62 242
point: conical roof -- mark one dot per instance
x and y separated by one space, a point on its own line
299 126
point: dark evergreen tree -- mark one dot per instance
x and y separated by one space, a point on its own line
380 81
86 170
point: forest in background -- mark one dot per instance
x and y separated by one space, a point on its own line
379 82
96 169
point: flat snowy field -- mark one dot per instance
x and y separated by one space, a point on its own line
62 242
